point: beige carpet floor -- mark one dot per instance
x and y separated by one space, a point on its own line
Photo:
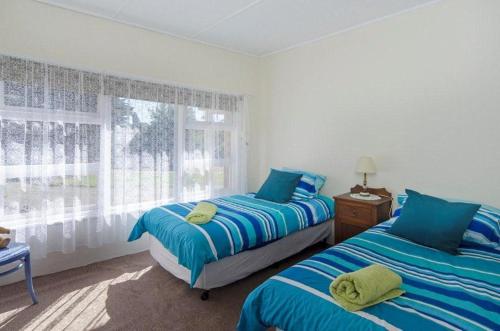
131 292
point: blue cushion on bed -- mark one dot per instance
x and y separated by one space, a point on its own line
483 232
309 185
434 222
279 186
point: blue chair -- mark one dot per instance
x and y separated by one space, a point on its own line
18 252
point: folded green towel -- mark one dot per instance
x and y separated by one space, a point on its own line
202 213
366 287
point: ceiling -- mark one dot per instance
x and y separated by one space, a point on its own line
256 27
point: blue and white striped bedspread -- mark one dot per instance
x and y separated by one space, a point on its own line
442 291
242 222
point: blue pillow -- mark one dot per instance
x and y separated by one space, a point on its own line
309 184
433 222
483 232
279 186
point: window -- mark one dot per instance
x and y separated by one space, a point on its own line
50 141
77 145
208 159
143 149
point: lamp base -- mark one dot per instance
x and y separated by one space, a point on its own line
364 194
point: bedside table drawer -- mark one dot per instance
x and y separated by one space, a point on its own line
360 213
346 231
353 216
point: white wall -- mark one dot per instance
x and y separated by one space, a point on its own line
34 30
420 92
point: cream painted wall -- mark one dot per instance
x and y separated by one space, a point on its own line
420 92
34 30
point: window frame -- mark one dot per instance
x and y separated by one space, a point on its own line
210 128
102 117
46 115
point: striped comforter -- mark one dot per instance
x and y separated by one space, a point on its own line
242 222
442 291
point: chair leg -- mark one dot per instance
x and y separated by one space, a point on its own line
29 280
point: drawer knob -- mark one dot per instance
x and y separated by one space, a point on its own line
354 212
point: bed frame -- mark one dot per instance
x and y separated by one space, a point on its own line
243 264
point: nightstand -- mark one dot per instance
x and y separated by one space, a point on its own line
353 216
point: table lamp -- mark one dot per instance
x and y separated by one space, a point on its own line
365 166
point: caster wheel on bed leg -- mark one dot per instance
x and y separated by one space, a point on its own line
205 295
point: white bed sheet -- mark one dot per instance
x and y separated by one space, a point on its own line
233 268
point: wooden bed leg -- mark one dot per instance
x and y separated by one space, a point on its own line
205 295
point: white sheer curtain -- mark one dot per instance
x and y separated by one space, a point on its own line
83 154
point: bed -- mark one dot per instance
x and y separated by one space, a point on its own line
246 235
443 291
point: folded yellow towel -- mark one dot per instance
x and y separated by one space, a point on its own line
202 213
366 287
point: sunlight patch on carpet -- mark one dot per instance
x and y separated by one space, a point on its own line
81 309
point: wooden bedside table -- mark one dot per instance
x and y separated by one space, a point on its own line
353 216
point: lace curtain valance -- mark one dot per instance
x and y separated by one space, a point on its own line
77 90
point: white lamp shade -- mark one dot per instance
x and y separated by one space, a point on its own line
366 165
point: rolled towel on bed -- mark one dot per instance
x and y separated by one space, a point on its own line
202 213
366 287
